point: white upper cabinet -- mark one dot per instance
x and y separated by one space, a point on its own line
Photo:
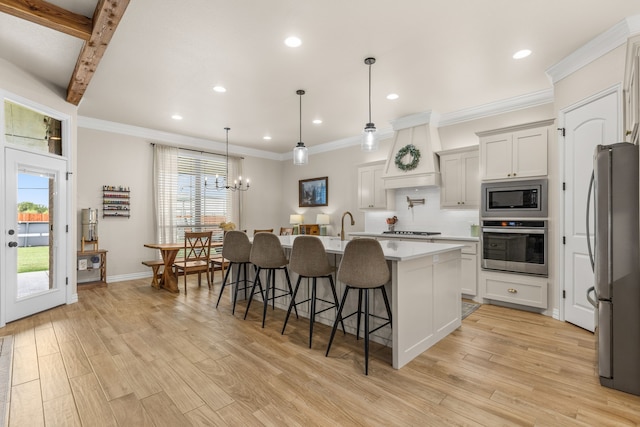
460 174
371 191
515 152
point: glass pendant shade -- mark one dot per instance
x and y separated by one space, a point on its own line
300 154
369 139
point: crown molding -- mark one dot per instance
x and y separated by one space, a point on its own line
411 120
595 48
181 141
498 107
341 143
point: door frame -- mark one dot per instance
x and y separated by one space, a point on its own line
560 248
71 294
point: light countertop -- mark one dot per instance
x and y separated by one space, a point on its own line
415 237
393 249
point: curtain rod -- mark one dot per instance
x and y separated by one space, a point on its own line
202 152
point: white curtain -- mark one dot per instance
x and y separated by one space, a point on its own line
165 178
175 170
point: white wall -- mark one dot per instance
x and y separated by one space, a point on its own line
115 159
108 158
340 166
262 204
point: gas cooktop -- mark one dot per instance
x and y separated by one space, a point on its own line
413 233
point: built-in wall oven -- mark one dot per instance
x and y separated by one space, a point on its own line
516 246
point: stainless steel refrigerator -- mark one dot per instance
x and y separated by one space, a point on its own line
616 261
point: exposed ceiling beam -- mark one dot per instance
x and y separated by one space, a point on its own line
49 15
96 33
106 18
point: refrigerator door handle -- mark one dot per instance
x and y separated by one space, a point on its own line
592 301
591 256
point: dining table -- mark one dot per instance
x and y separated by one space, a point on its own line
169 251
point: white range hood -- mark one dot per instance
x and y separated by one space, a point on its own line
419 130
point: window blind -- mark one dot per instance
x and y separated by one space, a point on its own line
186 195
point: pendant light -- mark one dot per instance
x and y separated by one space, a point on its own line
300 152
369 140
238 185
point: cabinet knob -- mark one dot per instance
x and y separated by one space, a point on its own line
514 174
462 203
508 174
512 291
628 132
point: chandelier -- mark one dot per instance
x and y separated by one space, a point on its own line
238 185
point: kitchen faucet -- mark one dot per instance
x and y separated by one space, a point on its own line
342 221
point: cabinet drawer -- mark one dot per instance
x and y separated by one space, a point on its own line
531 292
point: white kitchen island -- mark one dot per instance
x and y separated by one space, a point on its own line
424 291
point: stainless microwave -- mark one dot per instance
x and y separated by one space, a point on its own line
514 199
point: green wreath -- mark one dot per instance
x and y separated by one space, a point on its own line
411 150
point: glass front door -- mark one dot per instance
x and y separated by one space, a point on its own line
35 273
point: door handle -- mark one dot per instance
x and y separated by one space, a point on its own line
592 301
13 244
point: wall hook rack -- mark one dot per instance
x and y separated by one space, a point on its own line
412 202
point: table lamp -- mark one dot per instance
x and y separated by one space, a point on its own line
295 220
323 220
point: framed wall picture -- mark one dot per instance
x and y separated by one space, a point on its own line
313 192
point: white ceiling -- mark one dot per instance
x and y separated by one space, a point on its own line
442 56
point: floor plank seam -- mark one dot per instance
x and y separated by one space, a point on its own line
6 359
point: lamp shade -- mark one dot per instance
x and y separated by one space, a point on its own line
322 219
295 219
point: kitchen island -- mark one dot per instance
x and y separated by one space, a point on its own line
424 292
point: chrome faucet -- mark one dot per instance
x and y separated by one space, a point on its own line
342 221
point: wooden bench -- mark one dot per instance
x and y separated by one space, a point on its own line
155 267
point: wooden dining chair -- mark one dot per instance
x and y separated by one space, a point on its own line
269 230
197 252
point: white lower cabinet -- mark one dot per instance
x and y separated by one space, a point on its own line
469 273
530 291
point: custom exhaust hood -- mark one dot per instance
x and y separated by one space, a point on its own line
412 161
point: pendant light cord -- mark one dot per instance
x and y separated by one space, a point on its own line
300 115
227 172
369 93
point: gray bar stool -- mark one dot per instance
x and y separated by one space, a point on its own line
363 267
309 260
236 249
267 254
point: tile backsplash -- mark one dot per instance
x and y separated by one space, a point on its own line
427 217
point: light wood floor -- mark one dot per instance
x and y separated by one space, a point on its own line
130 355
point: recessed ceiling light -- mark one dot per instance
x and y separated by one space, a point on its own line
266 138
220 89
292 41
521 54
176 117
393 96
317 121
